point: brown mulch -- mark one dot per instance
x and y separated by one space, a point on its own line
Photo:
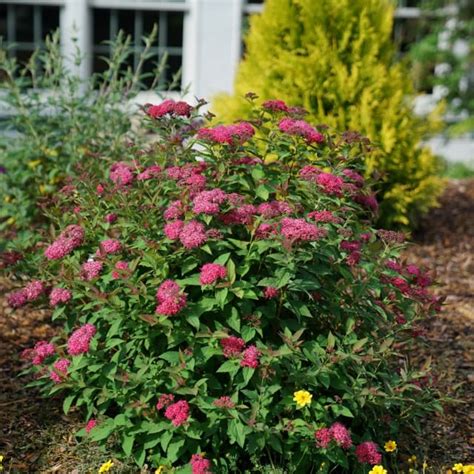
445 244
31 425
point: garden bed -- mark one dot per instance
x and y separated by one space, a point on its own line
36 437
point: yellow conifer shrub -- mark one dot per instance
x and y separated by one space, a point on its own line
336 59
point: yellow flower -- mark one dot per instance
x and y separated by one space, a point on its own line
458 467
160 470
390 446
469 469
378 470
106 467
33 163
411 459
302 398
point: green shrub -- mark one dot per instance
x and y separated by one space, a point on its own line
58 121
215 298
336 59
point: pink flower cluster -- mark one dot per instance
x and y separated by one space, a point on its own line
337 432
200 465
31 292
275 106
109 246
296 230
367 452
60 370
228 134
235 346
79 341
151 172
170 298
241 215
369 201
169 107
353 248
59 295
273 209
91 270
207 202
178 413
91 424
224 402
191 234
111 218
330 183
40 351
164 400
300 128
71 238
354 177
121 174
324 216
271 292
121 270
211 272
175 210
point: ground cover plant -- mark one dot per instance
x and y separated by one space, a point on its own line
56 120
224 304
336 58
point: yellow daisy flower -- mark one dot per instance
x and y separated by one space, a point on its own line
302 398
458 467
390 446
106 467
378 470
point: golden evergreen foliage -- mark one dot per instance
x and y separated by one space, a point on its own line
336 59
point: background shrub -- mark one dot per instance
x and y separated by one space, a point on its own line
225 293
336 59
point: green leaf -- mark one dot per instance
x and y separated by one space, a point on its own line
127 444
234 320
231 271
236 431
173 449
231 366
331 341
67 403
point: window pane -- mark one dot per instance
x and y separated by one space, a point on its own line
3 21
101 25
50 20
24 23
175 29
126 22
150 19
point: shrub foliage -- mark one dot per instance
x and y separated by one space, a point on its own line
224 292
336 59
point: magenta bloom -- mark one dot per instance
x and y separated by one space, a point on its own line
80 339
170 298
59 295
92 423
207 202
121 174
173 229
340 434
298 229
330 183
17 299
273 209
60 370
232 346
324 216
91 270
174 211
164 400
42 350
169 107
264 231
200 465
354 177
34 290
121 270
251 357
275 106
178 413
193 234
300 128
367 201
228 134
71 238
323 437
109 246
224 402
211 272
242 215
270 292
111 218
149 173
367 452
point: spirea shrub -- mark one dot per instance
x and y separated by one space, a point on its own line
239 311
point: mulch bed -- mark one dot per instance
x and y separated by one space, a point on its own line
34 432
